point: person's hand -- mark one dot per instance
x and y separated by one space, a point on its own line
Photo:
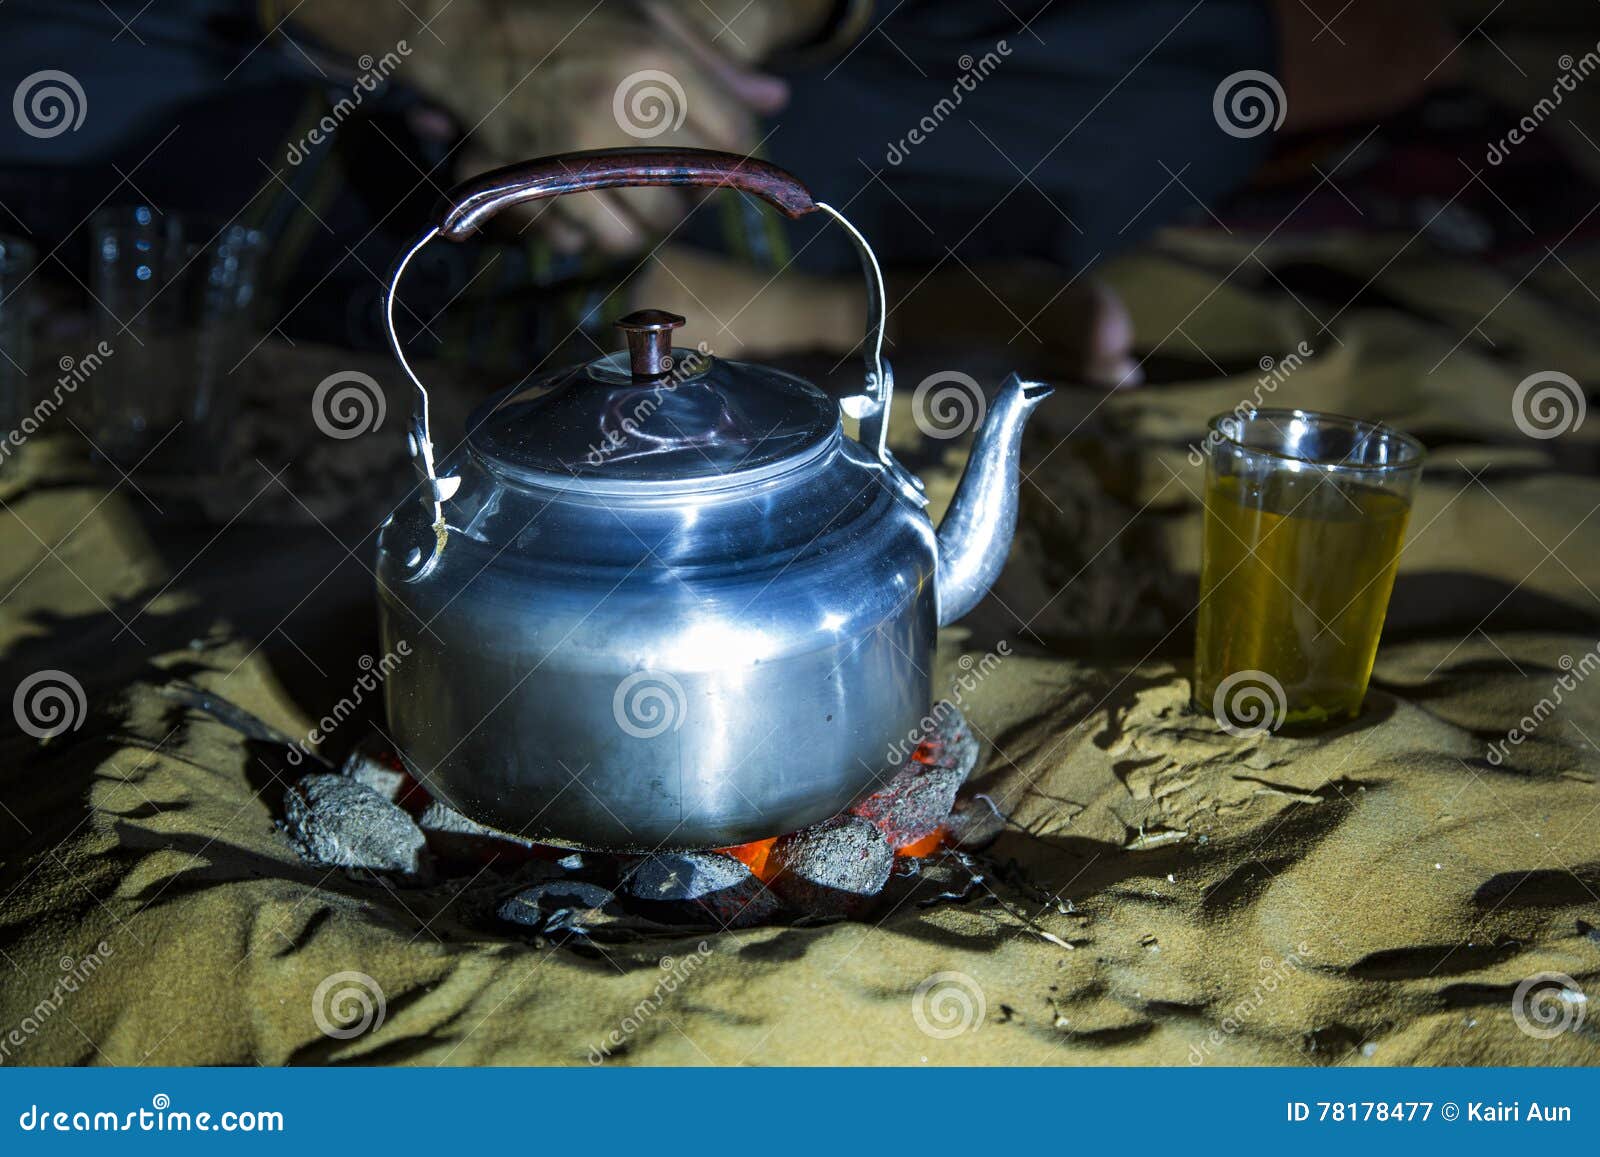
551 80
534 79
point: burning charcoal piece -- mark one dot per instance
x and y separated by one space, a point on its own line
452 836
948 740
832 869
698 887
337 821
559 906
974 823
913 805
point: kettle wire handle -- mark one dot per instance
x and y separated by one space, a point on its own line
474 202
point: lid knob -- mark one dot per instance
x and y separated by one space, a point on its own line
649 334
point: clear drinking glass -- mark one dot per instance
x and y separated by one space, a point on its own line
16 396
175 307
1304 517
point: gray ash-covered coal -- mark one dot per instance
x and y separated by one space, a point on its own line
339 822
709 887
376 817
374 764
451 836
834 868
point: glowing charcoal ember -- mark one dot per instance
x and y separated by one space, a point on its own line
755 856
701 887
913 805
340 822
926 846
832 869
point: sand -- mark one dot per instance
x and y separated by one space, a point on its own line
1165 893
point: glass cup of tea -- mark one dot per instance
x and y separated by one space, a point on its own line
1304 517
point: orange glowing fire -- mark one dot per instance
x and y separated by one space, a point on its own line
926 846
755 854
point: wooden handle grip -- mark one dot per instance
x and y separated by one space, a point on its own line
474 202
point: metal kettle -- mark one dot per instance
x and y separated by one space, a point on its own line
661 600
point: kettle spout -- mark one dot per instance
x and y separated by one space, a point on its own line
975 534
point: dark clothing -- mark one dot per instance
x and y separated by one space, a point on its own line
946 128
1051 153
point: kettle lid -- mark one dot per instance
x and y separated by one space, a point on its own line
650 418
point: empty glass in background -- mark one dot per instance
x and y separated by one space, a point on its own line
1304 518
16 394
175 306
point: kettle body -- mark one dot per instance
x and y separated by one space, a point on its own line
649 672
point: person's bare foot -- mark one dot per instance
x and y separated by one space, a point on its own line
1079 334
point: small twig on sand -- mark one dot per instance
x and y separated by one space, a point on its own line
979 880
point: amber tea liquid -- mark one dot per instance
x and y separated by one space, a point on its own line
1295 574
